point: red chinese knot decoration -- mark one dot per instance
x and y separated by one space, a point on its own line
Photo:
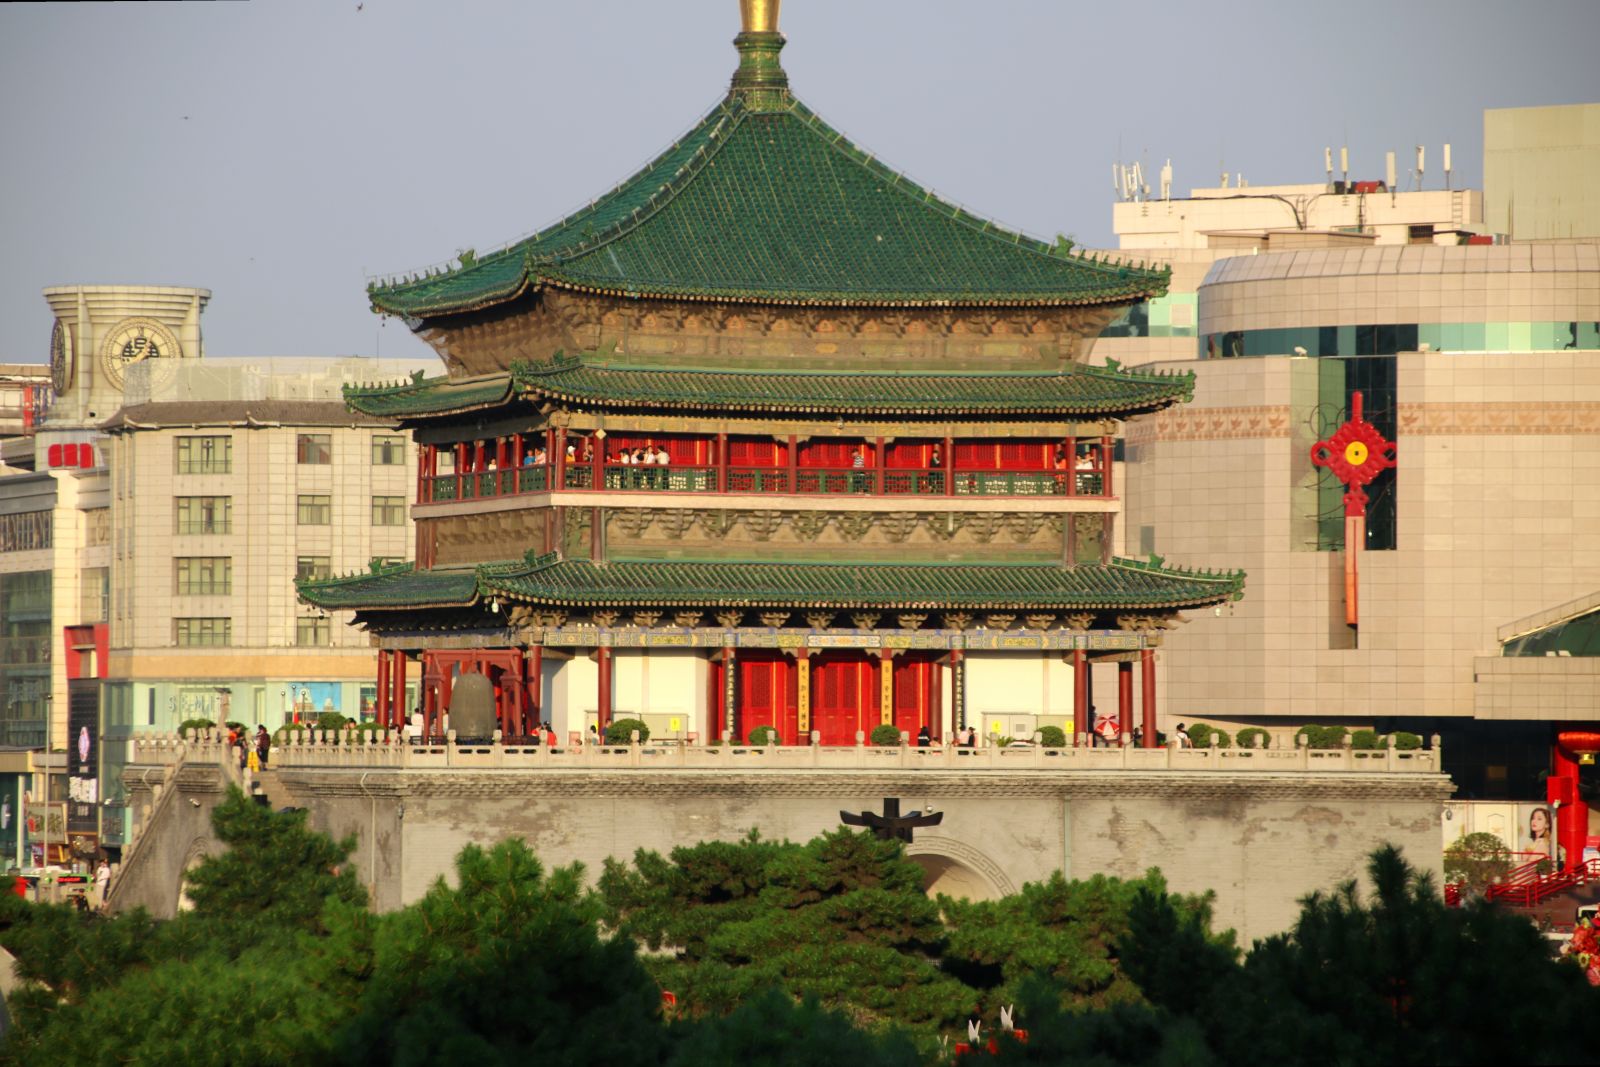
1356 454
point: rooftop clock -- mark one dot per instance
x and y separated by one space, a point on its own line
62 363
135 340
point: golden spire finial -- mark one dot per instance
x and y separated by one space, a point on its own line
760 16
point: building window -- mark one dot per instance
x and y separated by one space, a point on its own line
388 450
204 514
202 633
388 511
314 510
25 531
313 568
312 632
205 455
314 448
203 575
94 594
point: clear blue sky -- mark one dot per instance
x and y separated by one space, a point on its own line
278 152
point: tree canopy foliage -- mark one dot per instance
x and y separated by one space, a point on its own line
779 953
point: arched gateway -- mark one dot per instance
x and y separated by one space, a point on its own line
770 436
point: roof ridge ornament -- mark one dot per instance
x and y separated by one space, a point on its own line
760 81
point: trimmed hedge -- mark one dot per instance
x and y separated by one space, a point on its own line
1407 742
1322 736
620 732
1052 737
1366 740
1201 734
885 735
765 735
1247 737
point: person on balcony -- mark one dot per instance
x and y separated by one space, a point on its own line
858 470
935 479
1059 462
1086 474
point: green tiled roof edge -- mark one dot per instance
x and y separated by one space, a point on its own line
1081 389
1124 584
426 396
391 586
554 254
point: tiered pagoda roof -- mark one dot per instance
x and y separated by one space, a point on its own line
1124 584
589 381
763 202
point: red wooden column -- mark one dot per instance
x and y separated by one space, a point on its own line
1105 464
533 670
381 709
1080 694
602 659
597 457
730 696
794 464
446 678
430 694
878 460
722 463
558 458
1125 698
885 681
512 720
958 689
1147 663
397 696
949 466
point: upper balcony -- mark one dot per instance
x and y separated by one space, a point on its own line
553 460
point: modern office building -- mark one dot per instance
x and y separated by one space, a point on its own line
1477 578
151 552
1541 172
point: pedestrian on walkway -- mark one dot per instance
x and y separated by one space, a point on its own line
263 743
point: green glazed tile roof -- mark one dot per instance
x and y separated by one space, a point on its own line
1079 389
772 205
398 585
1123 584
428 396
583 381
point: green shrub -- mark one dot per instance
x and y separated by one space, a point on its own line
1366 740
620 732
1052 737
1247 737
1476 860
1406 742
1322 736
884 734
283 732
1201 734
192 726
765 735
330 720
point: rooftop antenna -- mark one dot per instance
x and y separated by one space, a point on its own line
1421 151
1166 180
1344 164
1388 170
1327 164
1447 165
